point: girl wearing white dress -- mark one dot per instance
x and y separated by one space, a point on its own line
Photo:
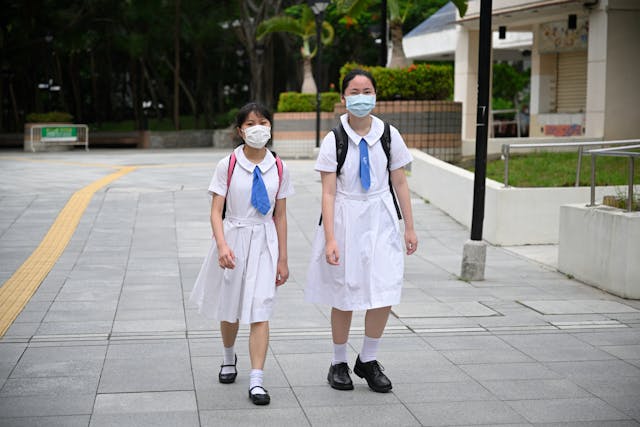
248 256
357 257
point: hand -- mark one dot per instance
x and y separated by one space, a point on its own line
226 258
332 254
410 241
282 273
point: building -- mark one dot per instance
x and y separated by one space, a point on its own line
584 60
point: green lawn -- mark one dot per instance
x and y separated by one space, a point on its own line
559 170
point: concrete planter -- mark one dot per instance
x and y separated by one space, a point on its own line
601 246
513 216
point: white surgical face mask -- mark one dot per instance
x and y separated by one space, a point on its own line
257 136
360 105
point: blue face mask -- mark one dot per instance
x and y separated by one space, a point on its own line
360 105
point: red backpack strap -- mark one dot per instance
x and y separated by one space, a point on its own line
232 165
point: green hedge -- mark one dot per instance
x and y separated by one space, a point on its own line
306 102
419 82
50 117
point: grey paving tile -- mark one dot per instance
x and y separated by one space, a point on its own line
75 327
472 356
459 413
612 386
236 396
459 391
578 306
81 361
48 386
375 415
147 402
629 404
611 338
269 417
534 389
55 421
324 396
466 342
509 371
139 375
11 352
625 423
566 410
164 419
630 352
57 404
595 369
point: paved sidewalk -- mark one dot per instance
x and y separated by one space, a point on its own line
108 338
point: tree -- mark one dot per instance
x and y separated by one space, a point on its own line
397 11
251 15
300 22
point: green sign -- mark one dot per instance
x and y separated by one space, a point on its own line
60 133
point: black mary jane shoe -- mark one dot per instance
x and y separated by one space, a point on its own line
230 377
339 378
259 398
372 372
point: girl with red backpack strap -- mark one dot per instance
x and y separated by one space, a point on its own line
248 256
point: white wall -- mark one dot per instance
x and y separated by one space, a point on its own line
601 246
513 216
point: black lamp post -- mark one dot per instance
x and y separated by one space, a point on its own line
318 8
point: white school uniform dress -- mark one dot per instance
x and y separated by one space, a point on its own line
366 227
246 292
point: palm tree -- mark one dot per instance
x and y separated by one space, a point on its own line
303 26
396 19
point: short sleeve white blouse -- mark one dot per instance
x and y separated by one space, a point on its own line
349 176
238 196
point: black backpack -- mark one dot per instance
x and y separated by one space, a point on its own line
342 145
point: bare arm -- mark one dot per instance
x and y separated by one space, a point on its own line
280 219
329 180
226 257
399 182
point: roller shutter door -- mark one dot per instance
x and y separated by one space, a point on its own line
571 89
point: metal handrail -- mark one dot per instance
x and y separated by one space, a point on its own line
616 152
506 151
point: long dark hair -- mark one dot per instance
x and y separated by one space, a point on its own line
352 74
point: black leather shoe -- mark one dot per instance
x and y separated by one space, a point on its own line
372 372
339 378
260 398
231 377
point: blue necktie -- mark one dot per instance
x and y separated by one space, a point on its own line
365 178
259 196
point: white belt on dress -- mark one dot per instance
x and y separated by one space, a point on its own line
362 196
248 222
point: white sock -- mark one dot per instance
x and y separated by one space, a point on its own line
229 358
369 350
255 379
339 353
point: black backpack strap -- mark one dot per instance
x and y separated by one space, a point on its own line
342 145
386 146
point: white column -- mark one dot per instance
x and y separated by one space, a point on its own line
613 78
466 84
543 86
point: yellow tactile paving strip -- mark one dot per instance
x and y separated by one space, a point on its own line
16 292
